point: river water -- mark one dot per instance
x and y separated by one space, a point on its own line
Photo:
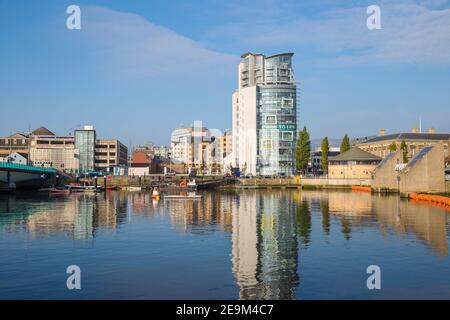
249 244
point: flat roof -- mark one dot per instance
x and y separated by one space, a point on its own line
410 136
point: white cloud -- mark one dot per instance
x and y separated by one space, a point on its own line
411 33
129 45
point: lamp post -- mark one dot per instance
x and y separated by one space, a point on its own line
170 161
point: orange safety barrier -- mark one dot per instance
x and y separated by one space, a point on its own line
430 198
361 188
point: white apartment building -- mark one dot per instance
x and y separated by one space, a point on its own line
264 112
185 141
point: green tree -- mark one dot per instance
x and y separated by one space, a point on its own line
346 228
393 147
304 223
303 150
404 149
325 149
325 217
345 144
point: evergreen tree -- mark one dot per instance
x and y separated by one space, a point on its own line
345 144
325 150
404 148
325 217
303 150
393 147
304 223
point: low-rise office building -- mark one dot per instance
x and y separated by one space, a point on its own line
52 151
353 164
110 153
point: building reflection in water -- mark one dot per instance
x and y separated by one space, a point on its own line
212 213
267 228
263 233
388 213
79 216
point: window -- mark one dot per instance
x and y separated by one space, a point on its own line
287 135
267 144
271 119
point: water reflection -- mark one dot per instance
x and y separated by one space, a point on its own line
268 229
426 222
265 249
78 216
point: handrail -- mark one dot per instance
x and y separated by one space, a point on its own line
8 165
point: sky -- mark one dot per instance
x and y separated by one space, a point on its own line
139 68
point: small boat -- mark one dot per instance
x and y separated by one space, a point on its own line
134 189
78 188
54 190
90 189
189 196
59 191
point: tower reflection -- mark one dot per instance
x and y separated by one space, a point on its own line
265 248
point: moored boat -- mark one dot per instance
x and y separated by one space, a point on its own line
134 188
78 188
54 190
189 196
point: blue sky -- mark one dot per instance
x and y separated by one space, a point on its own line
137 69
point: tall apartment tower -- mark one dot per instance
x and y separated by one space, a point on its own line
265 115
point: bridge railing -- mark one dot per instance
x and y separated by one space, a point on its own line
15 166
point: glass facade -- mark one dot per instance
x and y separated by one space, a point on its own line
85 143
277 127
274 129
278 69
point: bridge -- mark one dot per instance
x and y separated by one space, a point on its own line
16 175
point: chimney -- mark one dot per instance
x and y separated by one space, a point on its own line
431 130
382 132
415 130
